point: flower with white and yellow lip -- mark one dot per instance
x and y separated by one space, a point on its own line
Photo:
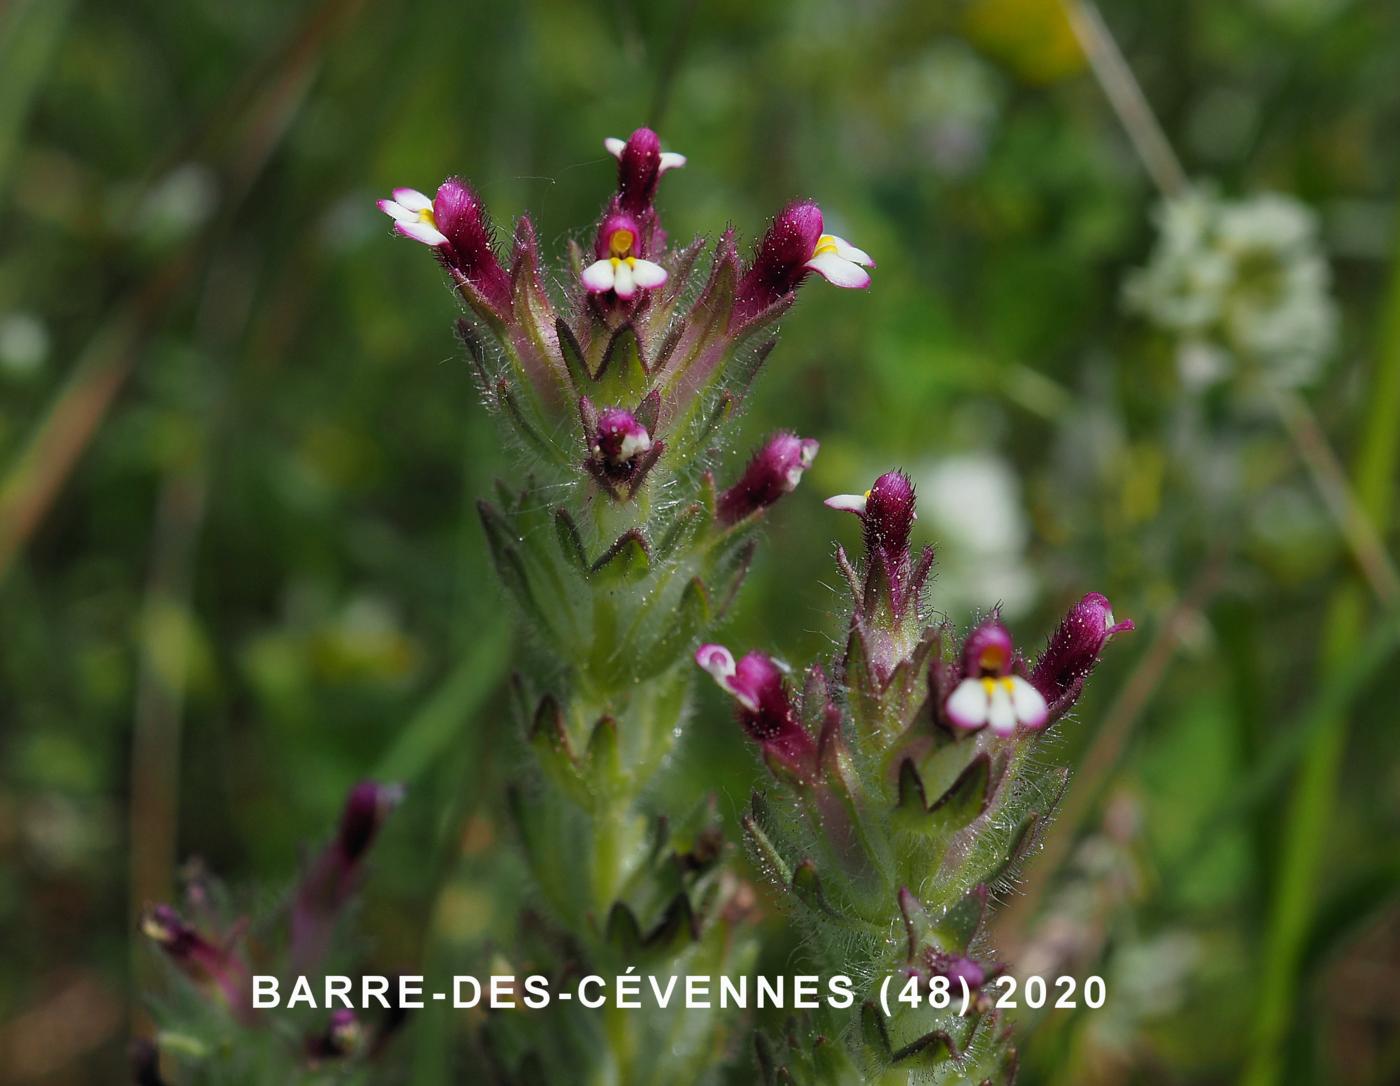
840 263
991 694
412 212
618 267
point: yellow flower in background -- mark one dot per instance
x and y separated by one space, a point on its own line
1031 36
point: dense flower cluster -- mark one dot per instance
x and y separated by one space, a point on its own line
1242 284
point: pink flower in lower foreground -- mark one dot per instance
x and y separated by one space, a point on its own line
991 692
764 708
775 470
335 874
795 246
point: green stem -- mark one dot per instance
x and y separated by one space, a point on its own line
1315 792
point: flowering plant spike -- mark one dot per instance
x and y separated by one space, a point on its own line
623 542
911 793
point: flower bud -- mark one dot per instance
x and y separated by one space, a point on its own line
794 246
461 217
775 470
620 436
640 164
621 451
1073 650
366 808
763 706
454 223
195 955
335 874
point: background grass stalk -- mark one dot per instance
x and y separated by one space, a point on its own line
1315 790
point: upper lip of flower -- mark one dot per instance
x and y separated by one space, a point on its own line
670 160
412 212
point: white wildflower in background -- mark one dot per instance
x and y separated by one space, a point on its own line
974 511
1243 284
24 344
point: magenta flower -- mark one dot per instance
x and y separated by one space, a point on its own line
455 224
197 957
620 267
992 692
775 470
335 874
764 708
794 247
1073 650
621 451
619 436
640 164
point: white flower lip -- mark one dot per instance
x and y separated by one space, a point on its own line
840 263
412 212
1003 704
849 503
624 275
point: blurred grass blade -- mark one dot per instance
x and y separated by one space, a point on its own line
1306 823
443 720
30 31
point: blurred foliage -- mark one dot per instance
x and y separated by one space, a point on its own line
241 564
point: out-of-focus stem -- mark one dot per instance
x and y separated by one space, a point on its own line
1330 478
1314 795
1106 748
1125 95
160 697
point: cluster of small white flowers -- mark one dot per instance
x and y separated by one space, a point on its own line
1243 284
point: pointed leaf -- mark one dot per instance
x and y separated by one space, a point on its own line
963 920
966 799
570 541
628 559
807 885
572 354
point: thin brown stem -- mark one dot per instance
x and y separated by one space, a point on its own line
1106 749
1340 497
1125 95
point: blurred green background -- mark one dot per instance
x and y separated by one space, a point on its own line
239 449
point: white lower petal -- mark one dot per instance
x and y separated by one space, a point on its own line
623 282
1030 706
848 503
632 445
413 200
598 276
671 161
647 275
421 231
396 210
1001 714
615 146
846 251
968 705
839 271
